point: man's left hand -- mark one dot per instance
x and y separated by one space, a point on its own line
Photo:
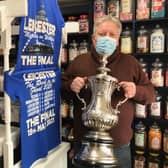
129 88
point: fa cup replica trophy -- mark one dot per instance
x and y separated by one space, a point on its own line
99 117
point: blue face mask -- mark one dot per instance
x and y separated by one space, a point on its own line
106 46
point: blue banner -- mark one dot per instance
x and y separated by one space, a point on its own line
35 80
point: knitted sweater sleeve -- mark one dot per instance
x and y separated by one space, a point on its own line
145 92
67 78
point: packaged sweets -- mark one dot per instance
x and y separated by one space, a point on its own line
157 8
142 10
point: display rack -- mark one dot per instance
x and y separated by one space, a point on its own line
8 13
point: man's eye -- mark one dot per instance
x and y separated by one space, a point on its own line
101 34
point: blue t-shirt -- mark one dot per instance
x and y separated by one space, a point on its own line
35 81
39 95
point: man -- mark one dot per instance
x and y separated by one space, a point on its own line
136 86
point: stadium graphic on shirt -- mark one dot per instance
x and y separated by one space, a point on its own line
39 46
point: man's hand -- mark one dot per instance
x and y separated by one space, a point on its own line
78 83
129 88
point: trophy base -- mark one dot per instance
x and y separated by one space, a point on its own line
83 164
96 152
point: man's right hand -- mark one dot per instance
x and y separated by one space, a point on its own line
78 83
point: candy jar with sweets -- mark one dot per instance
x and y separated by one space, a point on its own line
139 161
157 40
140 137
126 41
157 8
142 40
157 73
154 139
155 108
142 10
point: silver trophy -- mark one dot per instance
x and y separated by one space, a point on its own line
99 117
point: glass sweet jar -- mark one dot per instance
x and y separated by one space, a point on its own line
142 40
157 73
154 139
140 138
126 41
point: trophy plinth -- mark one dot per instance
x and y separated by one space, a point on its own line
96 151
99 117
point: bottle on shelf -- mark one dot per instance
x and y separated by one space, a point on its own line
157 40
83 47
83 23
65 131
140 138
153 162
140 110
139 161
157 73
99 8
155 108
165 141
64 56
144 66
142 40
126 12
73 50
154 139
166 76
71 108
166 108
126 41
72 24
64 109
70 136
165 162
113 8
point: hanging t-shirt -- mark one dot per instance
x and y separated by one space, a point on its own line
35 81
39 96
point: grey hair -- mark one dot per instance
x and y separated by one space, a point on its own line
105 18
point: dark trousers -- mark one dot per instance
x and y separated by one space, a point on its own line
123 154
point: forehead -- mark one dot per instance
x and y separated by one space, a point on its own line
107 26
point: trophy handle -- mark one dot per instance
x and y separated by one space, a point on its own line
82 100
120 103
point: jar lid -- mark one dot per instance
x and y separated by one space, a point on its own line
139 152
157 63
73 43
126 31
143 64
142 30
155 126
140 126
72 18
154 154
157 28
83 16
